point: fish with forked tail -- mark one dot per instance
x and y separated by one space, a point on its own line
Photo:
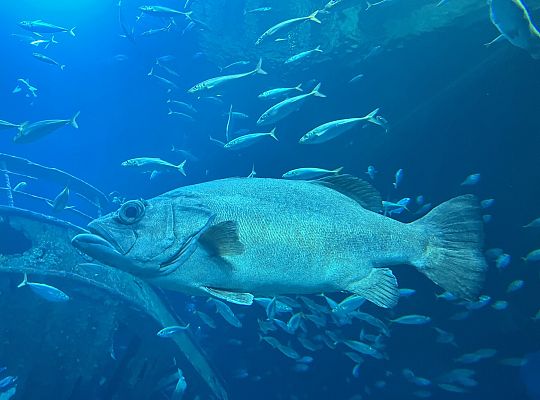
268 237
514 23
30 132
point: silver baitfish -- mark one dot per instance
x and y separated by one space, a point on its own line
47 292
171 330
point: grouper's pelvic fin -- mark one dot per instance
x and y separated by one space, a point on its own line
244 299
453 258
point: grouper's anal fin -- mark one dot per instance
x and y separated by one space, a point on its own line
355 188
245 299
222 239
380 287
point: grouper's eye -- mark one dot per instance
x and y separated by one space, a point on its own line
131 211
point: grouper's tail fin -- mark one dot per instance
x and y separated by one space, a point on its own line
452 258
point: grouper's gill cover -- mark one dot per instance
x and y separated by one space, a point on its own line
151 233
301 237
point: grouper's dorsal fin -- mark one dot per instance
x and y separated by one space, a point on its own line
355 188
222 239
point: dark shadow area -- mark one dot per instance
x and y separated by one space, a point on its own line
12 241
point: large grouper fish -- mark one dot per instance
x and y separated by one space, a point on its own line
239 237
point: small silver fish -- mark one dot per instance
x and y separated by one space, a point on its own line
471 358
514 362
500 305
398 178
483 301
280 307
47 292
289 351
356 78
515 286
30 132
151 32
235 64
171 330
48 60
248 140
40 26
60 201
266 326
219 81
32 91
445 337
333 129
413 319
471 180
20 186
257 10
253 173
154 165
451 388
308 344
503 261
302 55
350 304
272 341
5 382
160 11
404 292
286 107
46 42
447 296
357 358
167 83
533 224
180 388
280 92
532 256
185 107
206 319
225 311
286 25
310 173
363 348
182 116
371 171
487 203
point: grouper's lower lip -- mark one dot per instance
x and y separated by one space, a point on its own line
93 245
102 250
104 237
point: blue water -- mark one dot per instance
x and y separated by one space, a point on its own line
454 108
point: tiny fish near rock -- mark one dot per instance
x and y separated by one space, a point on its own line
238 237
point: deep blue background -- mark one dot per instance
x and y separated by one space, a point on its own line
454 106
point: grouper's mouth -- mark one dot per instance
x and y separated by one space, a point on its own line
102 247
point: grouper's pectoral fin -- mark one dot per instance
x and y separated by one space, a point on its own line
222 239
380 287
245 299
